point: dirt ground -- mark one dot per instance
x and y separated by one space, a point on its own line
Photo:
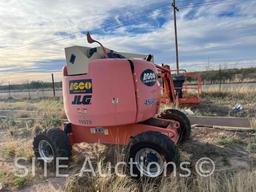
235 154
230 151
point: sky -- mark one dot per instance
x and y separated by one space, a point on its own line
211 33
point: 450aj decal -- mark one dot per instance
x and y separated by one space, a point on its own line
80 86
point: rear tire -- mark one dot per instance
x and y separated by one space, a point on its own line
185 125
51 144
151 147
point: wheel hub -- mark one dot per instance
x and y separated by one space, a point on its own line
45 150
149 162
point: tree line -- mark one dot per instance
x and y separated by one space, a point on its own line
229 75
31 85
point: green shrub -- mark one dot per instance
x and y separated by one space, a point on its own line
228 140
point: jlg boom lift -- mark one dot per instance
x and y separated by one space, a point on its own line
113 98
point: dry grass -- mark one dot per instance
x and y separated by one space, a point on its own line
52 110
241 93
47 112
50 107
221 102
5 123
13 149
17 105
42 107
10 181
253 122
225 182
229 181
232 89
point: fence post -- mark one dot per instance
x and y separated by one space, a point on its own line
9 90
29 96
220 76
53 85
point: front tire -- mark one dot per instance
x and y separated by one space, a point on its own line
148 149
51 144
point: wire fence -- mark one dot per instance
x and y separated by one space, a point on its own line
221 79
30 90
41 93
29 93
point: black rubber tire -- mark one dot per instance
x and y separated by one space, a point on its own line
59 142
185 129
157 141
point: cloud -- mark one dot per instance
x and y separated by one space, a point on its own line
33 34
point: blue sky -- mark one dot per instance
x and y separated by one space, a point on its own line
33 34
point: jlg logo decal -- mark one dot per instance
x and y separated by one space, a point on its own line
148 77
80 86
82 100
